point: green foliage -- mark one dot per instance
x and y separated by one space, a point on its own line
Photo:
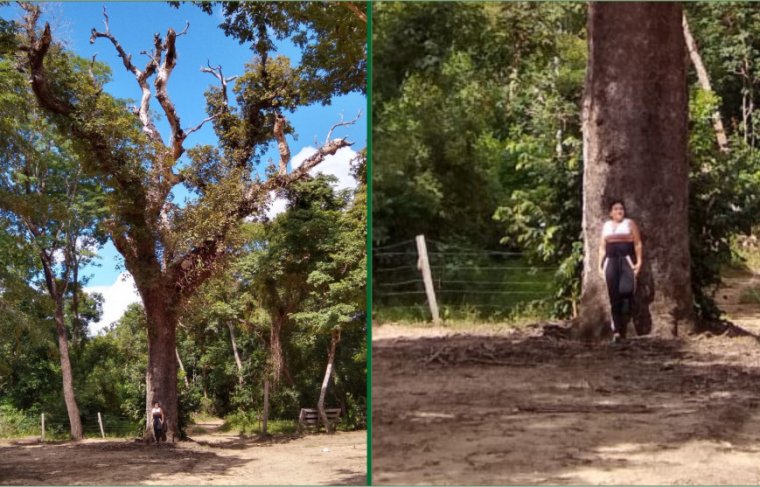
332 39
306 268
249 423
480 125
477 115
15 423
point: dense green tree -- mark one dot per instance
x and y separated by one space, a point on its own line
48 202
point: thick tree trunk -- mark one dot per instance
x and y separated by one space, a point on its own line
238 362
75 421
161 375
635 141
326 381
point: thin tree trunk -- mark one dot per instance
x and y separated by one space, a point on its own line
704 83
68 381
326 381
235 351
635 113
182 367
75 421
275 348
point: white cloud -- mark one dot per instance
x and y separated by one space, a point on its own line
338 165
278 206
116 298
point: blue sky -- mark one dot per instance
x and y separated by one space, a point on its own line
133 24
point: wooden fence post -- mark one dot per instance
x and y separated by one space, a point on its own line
423 264
43 426
100 422
265 413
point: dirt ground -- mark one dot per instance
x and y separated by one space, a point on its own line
521 408
212 458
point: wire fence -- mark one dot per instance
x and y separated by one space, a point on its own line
468 283
57 426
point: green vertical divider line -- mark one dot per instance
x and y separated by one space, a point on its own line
369 242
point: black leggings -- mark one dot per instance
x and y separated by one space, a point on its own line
157 429
621 284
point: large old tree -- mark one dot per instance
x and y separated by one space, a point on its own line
635 144
170 250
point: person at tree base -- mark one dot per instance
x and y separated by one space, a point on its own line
158 421
620 258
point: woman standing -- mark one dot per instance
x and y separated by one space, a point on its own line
620 258
158 421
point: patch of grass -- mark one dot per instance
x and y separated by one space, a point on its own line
479 287
202 417
466 318
249 423
744 258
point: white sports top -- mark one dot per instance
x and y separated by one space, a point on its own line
622 228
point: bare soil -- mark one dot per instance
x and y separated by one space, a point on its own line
525 408
211 458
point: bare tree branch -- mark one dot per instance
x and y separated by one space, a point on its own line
162 78
184 31
341 124
141 76
105 21
200 125
217 73
126 58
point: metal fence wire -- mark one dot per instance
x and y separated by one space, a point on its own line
467 282
57 426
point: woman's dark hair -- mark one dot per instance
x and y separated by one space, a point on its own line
615 202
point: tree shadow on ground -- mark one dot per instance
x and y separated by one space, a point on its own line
348 477
107 462
501 410
243 442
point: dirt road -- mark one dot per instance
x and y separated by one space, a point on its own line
522 409
213 458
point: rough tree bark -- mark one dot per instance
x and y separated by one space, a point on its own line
165 278
635 141
335 338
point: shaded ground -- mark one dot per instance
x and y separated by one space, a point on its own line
212 458
519 408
